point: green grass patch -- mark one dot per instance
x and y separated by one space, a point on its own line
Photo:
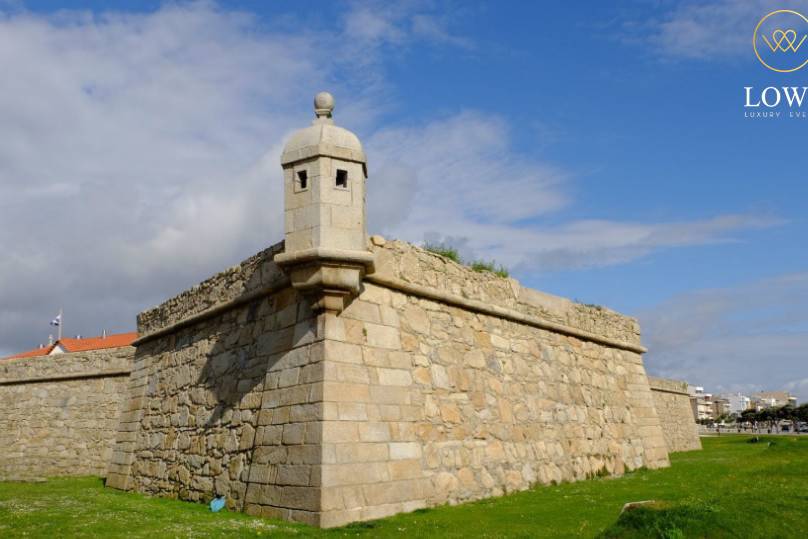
667 522
491 267
444 250
589 305
730 489
476 265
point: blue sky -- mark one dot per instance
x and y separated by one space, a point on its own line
601 152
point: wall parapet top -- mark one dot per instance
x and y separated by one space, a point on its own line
404 266
668 385
414 265
72 365
251 275
499 312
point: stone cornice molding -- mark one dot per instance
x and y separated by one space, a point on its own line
318 254
323 150
65 377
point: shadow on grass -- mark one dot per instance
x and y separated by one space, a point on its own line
366 525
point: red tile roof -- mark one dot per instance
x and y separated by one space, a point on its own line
44 351
81 345
97 343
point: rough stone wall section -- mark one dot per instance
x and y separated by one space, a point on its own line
225 407
411 264
672 404
60 413
428 403
239 281
230 404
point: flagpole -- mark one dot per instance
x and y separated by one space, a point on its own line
61 322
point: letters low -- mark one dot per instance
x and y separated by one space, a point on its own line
772 96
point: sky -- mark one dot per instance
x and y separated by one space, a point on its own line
599 150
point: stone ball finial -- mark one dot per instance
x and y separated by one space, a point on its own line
323 104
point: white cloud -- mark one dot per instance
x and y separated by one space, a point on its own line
400 23
436 29
594 243
366 24
710 30
798 387
458 179
130 163
749 337
374 31
139 154
464 166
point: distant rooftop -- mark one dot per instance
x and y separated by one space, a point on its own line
774 395
67 345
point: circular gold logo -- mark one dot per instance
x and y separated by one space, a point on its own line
780 41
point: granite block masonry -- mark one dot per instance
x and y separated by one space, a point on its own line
672 403
59 414
334 377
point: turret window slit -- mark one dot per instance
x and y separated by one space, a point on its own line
342 178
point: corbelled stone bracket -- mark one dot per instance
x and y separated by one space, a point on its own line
328 278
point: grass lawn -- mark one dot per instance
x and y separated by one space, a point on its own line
730 489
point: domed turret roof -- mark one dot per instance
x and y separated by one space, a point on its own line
322 137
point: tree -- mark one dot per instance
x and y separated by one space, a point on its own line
802 412
725 418
749 416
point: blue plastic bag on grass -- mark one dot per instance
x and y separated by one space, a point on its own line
216 504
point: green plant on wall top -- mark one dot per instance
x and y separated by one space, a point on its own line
443 250
476 265
589 305
482 265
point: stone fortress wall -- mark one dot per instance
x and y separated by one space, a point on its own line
672 403
436 384
329 381
450 385
211 401
60 413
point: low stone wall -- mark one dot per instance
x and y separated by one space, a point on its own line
672 404
59 414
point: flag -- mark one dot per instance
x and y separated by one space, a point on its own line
57 321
